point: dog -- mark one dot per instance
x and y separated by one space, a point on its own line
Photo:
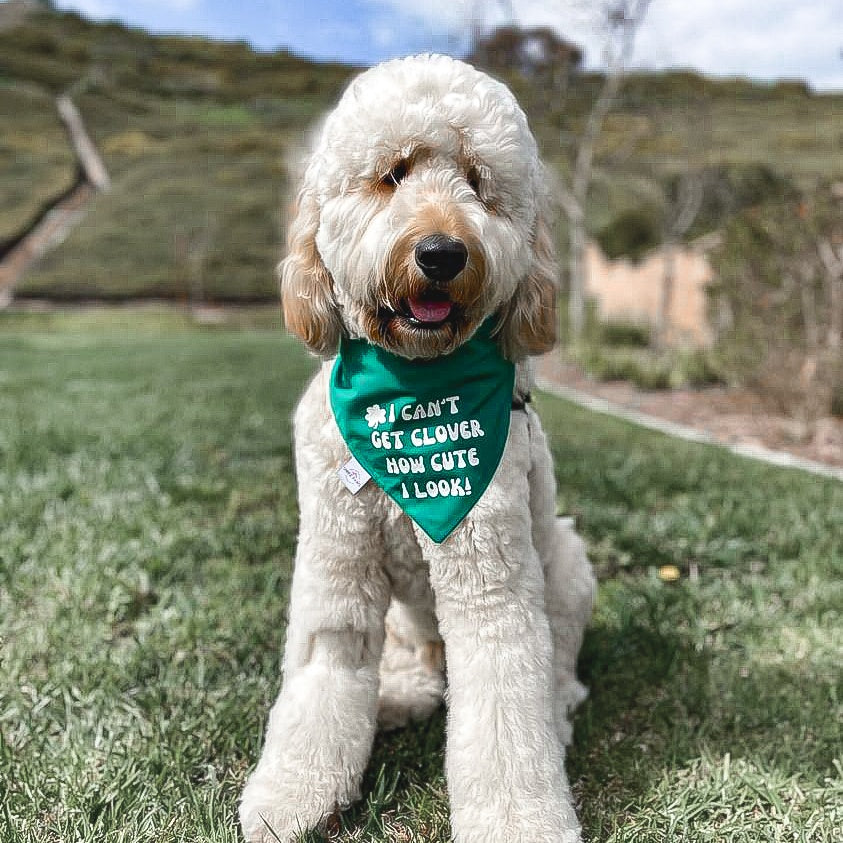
423 220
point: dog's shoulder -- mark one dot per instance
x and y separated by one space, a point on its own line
314 423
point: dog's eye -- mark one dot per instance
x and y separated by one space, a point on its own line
473 179
396 175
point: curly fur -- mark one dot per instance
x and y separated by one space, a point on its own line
417 147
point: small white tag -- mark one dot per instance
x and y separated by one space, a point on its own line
354 476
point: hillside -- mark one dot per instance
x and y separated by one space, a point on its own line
195 135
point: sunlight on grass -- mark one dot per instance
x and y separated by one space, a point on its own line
146 540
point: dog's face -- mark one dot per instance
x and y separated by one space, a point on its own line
422 212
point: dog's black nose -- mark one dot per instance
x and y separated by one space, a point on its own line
441 258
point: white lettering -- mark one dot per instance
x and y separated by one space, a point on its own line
453 487
387 440
402 465
442 433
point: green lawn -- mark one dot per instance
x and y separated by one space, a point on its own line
147 526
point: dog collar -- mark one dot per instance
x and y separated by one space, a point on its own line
431 433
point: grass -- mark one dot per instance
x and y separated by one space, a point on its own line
147 531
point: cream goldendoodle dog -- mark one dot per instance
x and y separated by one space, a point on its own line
421 241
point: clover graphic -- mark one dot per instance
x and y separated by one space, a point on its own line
375 415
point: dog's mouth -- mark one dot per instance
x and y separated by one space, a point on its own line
430 310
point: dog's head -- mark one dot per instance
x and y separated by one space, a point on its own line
423 211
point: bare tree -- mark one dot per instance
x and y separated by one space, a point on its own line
832 261
680 212
621 20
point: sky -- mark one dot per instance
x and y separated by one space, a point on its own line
773 39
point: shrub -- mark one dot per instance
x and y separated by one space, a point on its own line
731 188
697 368
650 370
616 334
632 234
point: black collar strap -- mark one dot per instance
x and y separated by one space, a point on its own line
520 402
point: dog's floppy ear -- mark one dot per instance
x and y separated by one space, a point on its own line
529 323
307 295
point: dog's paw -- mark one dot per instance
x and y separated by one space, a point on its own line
570 693
271 812
411 683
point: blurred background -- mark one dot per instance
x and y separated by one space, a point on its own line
148 511
697 152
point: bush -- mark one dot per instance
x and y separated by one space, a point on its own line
645 370
616 334
650 370
731 188
698 368
631 234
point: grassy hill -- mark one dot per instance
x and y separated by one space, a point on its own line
195 134
36 161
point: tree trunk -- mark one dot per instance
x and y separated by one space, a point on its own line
833 265
809 309
86 153
576 276
663 323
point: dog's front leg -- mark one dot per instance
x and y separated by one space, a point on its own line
504 763
322 726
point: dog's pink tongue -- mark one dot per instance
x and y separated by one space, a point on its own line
426 310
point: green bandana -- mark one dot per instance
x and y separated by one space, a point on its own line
430 432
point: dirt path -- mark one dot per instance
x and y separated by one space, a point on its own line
57 218
48 232
734 418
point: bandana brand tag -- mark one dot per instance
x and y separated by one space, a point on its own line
354 476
